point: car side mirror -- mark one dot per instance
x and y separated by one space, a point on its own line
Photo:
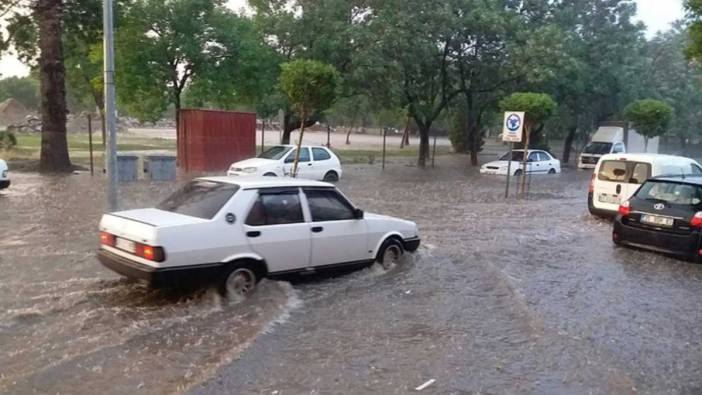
358 213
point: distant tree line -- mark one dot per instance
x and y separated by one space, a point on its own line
427 64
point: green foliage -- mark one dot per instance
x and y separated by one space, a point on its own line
537 106
8 140
25 90
649 117
694 8
309 85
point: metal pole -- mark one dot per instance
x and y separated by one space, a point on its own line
385 133
110 110
433 153
509 168
263 135
90 144
328 136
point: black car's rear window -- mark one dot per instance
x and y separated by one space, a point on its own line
671 193
199 198
625 172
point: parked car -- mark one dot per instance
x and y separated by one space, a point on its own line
664 215
618 176
237 230
316 163
614 138
4 177
538 161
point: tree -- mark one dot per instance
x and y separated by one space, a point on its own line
310 87
24 89
649 117
322 30
54 146
538 107
42 28
164 47
694 8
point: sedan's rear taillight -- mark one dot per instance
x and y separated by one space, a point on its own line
625 209
150 253
107 239
696 221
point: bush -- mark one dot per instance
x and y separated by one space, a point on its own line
8 140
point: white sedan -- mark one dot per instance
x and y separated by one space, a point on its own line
538 161
4 178
316 163
237 230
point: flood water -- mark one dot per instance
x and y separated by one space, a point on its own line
504 296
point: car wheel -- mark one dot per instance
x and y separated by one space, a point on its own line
552 171
239 281
269 174
390 254
518 173
331 176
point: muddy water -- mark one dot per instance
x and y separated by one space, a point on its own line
503 297
67 324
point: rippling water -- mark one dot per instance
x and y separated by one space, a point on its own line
504 296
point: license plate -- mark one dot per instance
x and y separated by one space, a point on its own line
611 199
657 220
126 245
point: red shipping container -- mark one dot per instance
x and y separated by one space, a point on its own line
211 140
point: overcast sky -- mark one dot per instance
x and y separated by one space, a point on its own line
656 14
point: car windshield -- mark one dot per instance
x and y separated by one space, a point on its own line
275 153
517 156
598 148
199 198
671 193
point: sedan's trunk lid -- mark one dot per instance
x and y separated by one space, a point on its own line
142 225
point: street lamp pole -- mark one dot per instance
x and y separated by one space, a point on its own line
110 111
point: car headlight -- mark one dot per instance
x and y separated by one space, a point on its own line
249 169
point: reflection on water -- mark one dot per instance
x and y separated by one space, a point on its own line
516 296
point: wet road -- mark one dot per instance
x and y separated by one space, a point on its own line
504 297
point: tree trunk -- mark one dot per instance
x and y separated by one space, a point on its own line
348 135
568 145
646 145
423 146
474 136
54 146
405 134
292 124
299 144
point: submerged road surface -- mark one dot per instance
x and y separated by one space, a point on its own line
516 296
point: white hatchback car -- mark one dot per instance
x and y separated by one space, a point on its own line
237 230
316 163
537 162
4 178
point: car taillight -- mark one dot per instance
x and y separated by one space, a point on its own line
107 239
625 209
592 184
150 253
696 221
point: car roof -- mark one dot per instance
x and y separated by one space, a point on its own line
646 157
687 179
255 182
295 146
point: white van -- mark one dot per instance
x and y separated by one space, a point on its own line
4 178
611 139
618 176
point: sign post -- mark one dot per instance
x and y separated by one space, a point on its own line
512 129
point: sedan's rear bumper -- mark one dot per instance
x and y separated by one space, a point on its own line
4 184
160 277
682 245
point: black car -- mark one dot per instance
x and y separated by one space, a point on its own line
664 215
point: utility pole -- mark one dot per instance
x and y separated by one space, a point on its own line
110 111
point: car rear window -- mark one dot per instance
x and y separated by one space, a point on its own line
320 154
199 198
671 193
625 172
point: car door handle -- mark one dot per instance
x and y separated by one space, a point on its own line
317 229
254 233
309 164
619 189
